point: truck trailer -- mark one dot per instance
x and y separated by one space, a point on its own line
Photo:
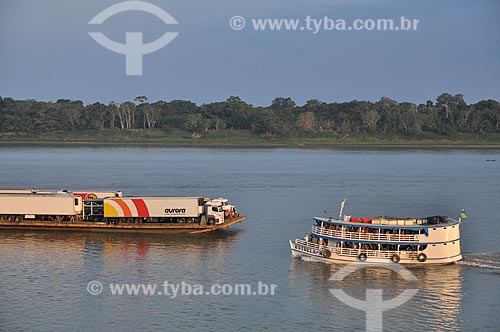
197 210
44 207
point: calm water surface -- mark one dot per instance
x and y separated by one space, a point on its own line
44 275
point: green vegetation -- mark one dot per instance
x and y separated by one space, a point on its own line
448 121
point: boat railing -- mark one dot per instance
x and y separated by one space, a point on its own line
373 253
309 246
318 248
364 236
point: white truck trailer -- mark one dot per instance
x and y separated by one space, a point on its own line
44 207
198 210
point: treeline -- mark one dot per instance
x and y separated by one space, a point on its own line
447 115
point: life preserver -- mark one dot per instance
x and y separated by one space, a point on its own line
395 258
362 257
422 257
327 253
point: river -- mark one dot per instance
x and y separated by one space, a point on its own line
44 276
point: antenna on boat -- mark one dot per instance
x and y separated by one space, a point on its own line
342 208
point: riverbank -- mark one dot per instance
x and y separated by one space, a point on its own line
247 139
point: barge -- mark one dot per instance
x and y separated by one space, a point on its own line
91 211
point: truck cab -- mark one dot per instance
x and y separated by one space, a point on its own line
214 212
229 210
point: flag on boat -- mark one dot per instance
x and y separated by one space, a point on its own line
463 215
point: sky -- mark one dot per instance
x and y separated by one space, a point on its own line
46 52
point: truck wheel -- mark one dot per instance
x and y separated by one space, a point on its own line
10 218
190 220
181 220
203 220
18 219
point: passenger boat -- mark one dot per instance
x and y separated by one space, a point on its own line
432 240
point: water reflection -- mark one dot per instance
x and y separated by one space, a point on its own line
436 306
113 244
96 252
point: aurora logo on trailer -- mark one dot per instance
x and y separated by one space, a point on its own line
175 211
134 207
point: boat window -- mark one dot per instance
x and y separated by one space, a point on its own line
76 201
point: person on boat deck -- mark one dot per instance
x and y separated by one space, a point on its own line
306 237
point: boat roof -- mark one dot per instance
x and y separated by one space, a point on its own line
331 221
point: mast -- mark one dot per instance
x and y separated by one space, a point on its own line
342 208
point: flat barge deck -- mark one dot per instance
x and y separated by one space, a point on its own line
148 228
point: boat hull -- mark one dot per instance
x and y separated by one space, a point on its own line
120 228
316 254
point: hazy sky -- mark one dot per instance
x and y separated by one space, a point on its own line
46 52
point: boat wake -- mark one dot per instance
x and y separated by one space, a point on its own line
487 260
310 259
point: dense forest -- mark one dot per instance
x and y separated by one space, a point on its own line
449 114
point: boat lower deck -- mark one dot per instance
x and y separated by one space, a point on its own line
348 255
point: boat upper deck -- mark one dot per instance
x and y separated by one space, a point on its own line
394 223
